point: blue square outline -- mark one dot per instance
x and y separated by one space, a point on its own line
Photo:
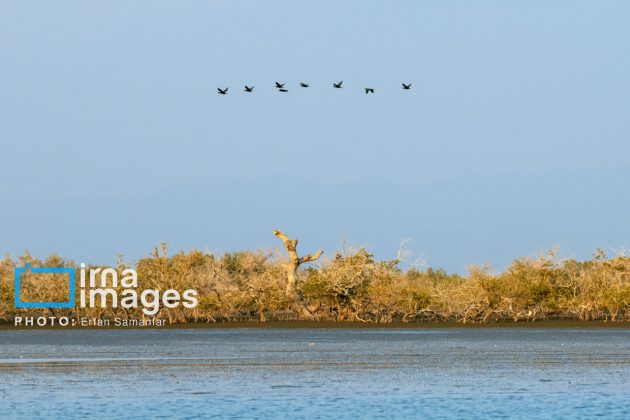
43 270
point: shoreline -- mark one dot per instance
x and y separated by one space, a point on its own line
544 324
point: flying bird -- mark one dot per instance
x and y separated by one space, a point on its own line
302 84
249 89
338 85
406 87
282 90
279 85
222 91
369 90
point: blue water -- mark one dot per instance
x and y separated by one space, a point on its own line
296 373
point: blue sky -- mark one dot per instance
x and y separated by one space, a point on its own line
514 139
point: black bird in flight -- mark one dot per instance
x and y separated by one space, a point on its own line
303 84
338 85
369 90
282 90
406 87
279 85
222 91
249 89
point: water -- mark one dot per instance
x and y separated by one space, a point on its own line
287 373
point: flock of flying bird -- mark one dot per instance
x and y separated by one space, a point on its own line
281 88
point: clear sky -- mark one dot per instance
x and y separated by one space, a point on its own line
514 139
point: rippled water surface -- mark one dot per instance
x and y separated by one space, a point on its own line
286 373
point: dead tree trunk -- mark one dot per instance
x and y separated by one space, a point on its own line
294 262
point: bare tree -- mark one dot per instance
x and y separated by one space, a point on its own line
404 256
294 261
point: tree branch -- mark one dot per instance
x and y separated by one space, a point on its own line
311 257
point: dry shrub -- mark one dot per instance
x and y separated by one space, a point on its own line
355 287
